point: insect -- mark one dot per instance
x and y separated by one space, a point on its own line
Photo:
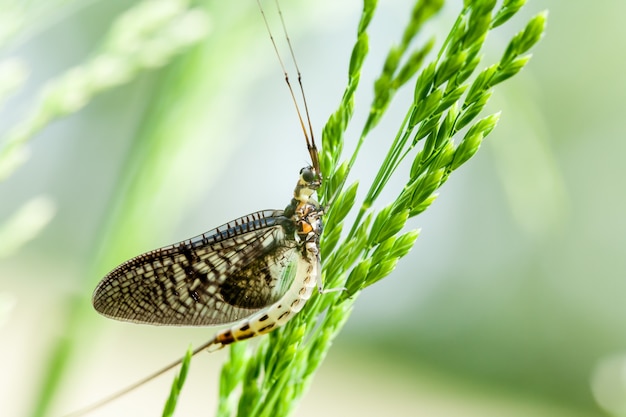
255 272
230 274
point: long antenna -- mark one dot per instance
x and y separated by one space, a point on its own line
308 135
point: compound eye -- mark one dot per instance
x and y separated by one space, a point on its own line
307 174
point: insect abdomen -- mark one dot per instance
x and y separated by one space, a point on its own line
278 313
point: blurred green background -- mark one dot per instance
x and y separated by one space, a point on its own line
511 304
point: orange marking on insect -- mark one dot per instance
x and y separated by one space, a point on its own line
306 228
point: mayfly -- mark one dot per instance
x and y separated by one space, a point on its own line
233 274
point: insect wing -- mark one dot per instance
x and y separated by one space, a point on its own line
215 278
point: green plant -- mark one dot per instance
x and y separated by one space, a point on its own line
450 91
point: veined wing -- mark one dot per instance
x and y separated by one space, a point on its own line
218 277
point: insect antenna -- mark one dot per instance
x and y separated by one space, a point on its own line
308 133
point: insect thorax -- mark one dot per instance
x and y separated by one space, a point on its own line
305 212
